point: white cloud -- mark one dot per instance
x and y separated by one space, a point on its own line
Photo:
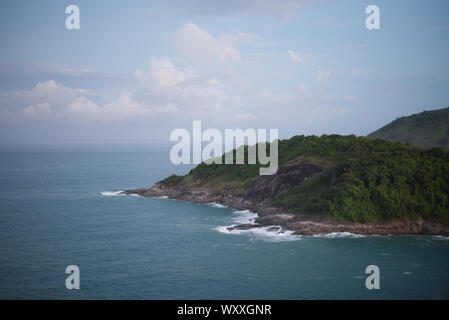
323 76
302 88
164 89
39 110
295 57
243 37
199 44
54 101
164 73
81 105
50 92
166 83
124 108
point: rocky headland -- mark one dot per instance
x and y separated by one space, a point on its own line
258 197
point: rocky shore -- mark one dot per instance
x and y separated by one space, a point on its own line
270 216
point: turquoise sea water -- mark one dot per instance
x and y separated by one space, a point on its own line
57 208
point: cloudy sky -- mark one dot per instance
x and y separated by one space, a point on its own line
136 70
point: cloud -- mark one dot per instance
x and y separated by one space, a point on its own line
123 109
302 88
162 90
166 83
50 92
39 110
199 44
162 74
323 76
294 57
53 101
243 37
14 76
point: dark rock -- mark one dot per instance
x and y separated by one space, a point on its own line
294 173
246 226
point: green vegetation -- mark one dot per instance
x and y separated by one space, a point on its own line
426 129
172 180
365 180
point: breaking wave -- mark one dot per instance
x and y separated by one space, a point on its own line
441 238
338 235
267 233
118 194
112 193
244 217
270 233
216 205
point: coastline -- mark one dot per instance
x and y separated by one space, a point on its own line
274 217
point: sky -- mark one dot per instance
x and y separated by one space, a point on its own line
137 70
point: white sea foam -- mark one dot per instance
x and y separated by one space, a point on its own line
162 197
441 238
267 233
112 193
118 194
224 229
270 233
338 235
244 217
216 205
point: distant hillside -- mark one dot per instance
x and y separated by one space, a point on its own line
426 129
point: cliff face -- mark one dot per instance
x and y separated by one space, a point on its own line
293 174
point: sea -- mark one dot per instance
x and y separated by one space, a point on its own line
60 206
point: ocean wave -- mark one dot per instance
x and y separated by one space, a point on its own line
112 193
333 235
267 233
441 237
118 194
244 217
216 205
270 233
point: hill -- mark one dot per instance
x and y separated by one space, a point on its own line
342 178
426 129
